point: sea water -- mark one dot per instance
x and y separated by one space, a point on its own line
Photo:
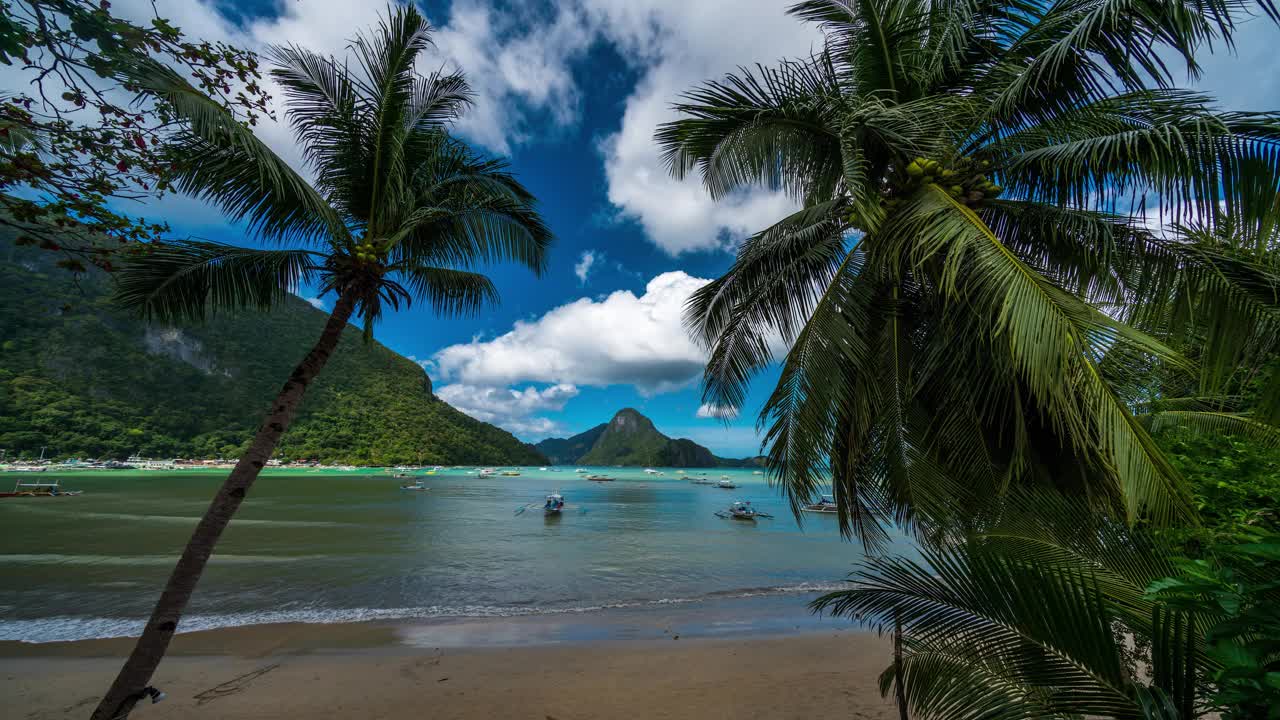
334 546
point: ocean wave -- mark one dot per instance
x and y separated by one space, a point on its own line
65 628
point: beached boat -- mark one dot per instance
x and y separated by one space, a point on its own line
599 478
826 505
24 468
742 510
726 484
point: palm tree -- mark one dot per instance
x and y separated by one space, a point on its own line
969 300
398 210
1032 617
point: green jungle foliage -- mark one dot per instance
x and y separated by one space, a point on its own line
1235 481
88 380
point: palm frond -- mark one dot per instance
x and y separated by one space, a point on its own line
188 279
773 127
1218 423
778 277
451 292
220 160
1054 339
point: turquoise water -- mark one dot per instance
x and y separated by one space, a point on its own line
347 546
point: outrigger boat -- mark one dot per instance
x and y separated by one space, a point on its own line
46 488
742 510
826 505
553 505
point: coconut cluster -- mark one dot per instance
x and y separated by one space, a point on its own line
965 180
370 252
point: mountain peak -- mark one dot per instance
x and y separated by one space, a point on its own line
631 439
629 420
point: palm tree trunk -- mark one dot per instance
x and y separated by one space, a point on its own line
901 693
147 653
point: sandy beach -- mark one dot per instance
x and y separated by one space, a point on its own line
366 671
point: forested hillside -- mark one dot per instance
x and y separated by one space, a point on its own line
87 380
631 439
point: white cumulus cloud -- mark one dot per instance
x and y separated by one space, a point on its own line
509 408
681 44
620 339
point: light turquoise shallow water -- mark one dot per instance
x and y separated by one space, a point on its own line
346 546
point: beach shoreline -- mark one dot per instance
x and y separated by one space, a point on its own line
382 670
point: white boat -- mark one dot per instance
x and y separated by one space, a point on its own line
826 505
488 472
142 463
756 472
542 469
651 471
579 470
415 486
24 468
726 484
742 510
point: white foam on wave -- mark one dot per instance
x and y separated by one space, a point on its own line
66 628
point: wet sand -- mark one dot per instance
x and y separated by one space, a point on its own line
368 671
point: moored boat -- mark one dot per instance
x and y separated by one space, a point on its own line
599 478
725 483
742 510
826 505
45 488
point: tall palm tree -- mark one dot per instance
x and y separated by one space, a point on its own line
969 300
398 210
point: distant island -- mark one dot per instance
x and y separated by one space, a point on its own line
87 380
630 439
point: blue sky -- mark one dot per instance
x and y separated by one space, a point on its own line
572 92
